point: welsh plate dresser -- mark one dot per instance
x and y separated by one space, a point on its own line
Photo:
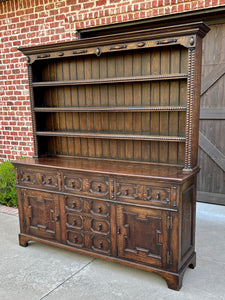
115 126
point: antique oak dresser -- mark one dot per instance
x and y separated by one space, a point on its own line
115 126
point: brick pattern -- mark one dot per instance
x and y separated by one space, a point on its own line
9 210
32 22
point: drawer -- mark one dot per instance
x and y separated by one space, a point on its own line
101 244
100 226
97 186
74 203
99 208
75 239
39 178
150 193
74 221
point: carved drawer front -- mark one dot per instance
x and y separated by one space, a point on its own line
75 239
80 184
101 244
100 226
149 194
74 221
41 178
74 203
99 208
27 177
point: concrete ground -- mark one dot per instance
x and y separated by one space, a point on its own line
45 272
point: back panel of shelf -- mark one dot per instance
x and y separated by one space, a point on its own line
130 64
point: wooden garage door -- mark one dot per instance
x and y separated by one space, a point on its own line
211 179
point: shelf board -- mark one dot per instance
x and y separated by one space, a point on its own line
112 136
112 80
111 109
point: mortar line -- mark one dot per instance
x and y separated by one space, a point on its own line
67 279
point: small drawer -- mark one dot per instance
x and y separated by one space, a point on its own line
146 193
75 239
38 177
99 208
74 221
74 203
100 226
85 185
100 244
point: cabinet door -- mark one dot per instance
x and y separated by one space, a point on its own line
143 235
41 214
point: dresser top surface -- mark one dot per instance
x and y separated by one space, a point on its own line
116 168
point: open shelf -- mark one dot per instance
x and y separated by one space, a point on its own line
112 136
112 80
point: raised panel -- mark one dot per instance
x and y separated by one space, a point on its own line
74 203
101 244
149 194
75 239
80 184
41 211
74 221
142 235
42 178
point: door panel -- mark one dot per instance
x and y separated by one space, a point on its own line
142 234
41 214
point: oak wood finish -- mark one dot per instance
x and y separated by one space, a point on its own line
114 170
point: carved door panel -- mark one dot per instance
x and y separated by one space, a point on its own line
143 235
41 214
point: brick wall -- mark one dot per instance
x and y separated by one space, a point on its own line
33 22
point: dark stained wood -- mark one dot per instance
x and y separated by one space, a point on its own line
113 175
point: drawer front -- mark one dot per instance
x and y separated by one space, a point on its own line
87 224
149 193
97 186
39 178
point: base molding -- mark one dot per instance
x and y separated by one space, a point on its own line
173 280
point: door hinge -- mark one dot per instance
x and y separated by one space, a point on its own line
169 222
169 257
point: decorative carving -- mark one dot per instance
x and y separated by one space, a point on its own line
43 55
49 180
75 221
75 239
118 47
140 44
71 183
27 177
97 187
164 42
150 226
189 115
98 52
99 208
192 41
74 203
80 51
102 245
101 227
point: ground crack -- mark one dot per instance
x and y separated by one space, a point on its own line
67 279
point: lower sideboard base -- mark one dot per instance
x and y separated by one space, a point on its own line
173 280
